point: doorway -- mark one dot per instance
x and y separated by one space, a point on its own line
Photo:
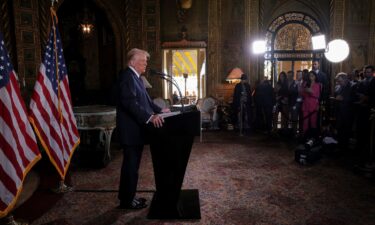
90 57
187 68
289 46
293 66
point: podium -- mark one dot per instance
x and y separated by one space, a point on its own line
170 149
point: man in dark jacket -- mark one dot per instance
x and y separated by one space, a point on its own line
242 103
323 79
264 101
135 109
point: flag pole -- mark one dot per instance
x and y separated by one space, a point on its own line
62 188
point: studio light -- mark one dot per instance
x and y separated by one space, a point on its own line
319 42
337 50
259 47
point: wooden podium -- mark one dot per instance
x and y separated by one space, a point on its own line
170 149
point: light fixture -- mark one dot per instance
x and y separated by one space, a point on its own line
319 42
259 47
87 25
234 76
337 51
185 4
86 28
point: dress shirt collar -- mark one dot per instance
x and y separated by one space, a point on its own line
132 68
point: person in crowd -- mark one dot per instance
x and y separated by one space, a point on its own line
264 101
310 106
344 115
305 79
353 77
292 101
175 98
281 89
362 113
299 77
242 103
322 78
371 89
135 109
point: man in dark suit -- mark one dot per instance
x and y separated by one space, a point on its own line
135 110
323 79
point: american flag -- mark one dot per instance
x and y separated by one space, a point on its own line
18 147
51 110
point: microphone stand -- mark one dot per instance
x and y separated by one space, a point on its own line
170 79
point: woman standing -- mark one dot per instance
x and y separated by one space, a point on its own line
310 92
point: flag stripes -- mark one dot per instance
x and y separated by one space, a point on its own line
18 147
51 110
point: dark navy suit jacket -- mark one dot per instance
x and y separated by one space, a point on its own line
134 108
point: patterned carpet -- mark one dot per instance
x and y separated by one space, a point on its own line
250 180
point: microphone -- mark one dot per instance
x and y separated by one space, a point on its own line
155 72
170 79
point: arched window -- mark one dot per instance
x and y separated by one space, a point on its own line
289 44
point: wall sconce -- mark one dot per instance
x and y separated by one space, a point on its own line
185 4
182 9
87 25
234 76
87 28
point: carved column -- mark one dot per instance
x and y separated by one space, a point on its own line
251 33
337 18
151 40
214 46
8 30
371 44
44 22
27 35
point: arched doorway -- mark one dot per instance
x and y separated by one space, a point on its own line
288 43
90 58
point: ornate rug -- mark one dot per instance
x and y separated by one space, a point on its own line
250 180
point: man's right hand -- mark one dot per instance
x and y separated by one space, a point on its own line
157 121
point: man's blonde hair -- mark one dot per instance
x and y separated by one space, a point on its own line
136 51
